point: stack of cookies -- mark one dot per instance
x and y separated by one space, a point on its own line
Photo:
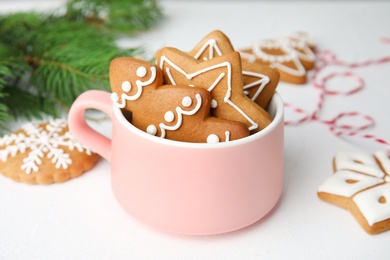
207 95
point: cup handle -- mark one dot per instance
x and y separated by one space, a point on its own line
92 99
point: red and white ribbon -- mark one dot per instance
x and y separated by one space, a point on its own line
324 60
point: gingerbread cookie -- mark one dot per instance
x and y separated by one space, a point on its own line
44 153
361 185
305 47
222 77
260 81
178 113
292 56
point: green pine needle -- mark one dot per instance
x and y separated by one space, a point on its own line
73 63
117 15
47 60
12 70
23 103
15 27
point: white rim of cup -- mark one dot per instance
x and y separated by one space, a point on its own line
276 102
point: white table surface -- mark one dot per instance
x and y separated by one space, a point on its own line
80 219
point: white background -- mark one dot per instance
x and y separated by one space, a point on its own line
80 219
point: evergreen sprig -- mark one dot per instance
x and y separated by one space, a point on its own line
119 16
12 71
47 60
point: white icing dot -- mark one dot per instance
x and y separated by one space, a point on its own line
151 130
169 116
212 139
186 101
126 86
214 103
141 72
114 97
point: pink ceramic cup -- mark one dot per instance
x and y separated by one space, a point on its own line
187 188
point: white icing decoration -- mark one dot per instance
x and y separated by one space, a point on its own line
151 129
43 143
126 86
277 61
307 53
114 97
372 184
289 46
214 103
215 83
171 79
169 116
263 81
213 46
337 184
190 76
367 165
186 101
212 139
368 203
273 44
140 84
227 136
248 56
180 113
141 72
303 37
384 159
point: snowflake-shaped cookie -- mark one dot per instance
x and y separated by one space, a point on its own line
361 184
44 153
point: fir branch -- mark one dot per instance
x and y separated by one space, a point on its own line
47 60
68 64
3 108
14 28
24 104
12 69
117 15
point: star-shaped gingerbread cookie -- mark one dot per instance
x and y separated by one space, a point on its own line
361 185
222 77
260 81
292 56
